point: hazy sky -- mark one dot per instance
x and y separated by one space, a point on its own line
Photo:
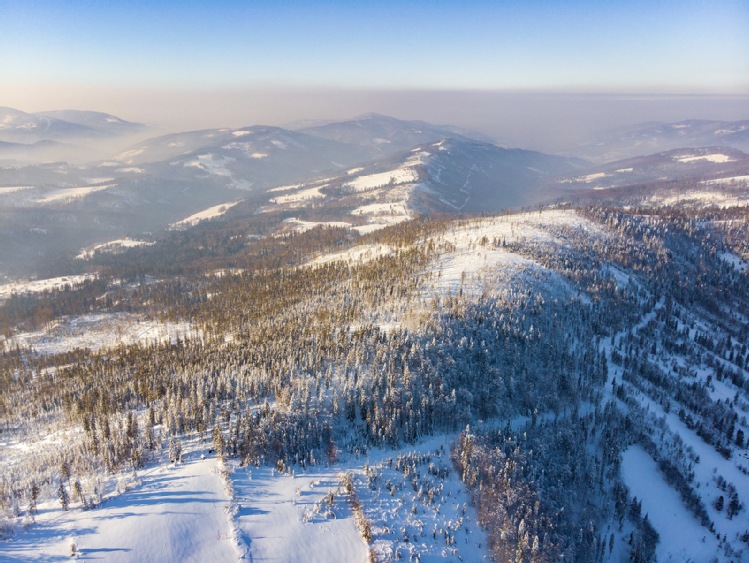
187 63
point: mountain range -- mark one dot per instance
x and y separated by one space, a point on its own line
362 174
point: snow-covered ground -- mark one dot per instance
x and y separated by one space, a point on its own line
357 254
97 332
176 513
476 259
308 515
112 246
682 538
713 157
730 180
412 501
13 189
418 507
210 213
300 196
300 226
211 163
587 179
70 194
711 198
37 286
285 188
277 517
402 175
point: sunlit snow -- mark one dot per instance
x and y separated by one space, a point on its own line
210 213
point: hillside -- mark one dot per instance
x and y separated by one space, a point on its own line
578 349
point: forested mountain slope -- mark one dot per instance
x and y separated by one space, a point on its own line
559 352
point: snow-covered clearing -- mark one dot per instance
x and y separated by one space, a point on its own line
357 254
113 246
394 177
418 508
300 196
397 208
714 157
277 519
591 177
98 331
210 213
381 215
70 194
127 156
476 259
211 163
682 538
730 180
309 515
300 226
130 170
702 198
177 513
13 189
371 227
286 188
711 465
48 284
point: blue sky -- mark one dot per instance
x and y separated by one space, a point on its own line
603 46
188 63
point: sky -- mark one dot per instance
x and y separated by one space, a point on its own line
196 64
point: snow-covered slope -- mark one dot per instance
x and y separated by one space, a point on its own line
170 513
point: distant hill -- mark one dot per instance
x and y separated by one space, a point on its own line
651 138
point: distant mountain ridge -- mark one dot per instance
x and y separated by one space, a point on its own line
649 138
361 174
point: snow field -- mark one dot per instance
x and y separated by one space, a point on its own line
13 189
286 188
70 194
300 196
715 157
210 213
360 254
300 226
417 507
702 198
394 177
39 286
475 258
211 163
111 247
730 181
97 332
682 538
320 514
174 513
287 517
